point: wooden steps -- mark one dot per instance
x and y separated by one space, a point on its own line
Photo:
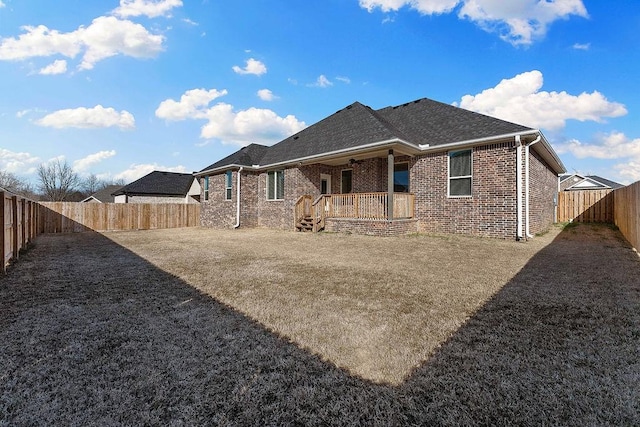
305 223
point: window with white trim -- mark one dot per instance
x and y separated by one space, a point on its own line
206 188
228 185
275 185
460 175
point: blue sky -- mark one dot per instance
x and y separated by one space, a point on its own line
120 88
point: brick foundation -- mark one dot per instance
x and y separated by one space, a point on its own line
371 227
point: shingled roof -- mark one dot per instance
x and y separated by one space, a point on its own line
159 183
418 124
105 195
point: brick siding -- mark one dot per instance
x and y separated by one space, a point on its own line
490 211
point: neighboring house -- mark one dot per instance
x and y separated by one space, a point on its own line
572 182
160 187
103 196
423 166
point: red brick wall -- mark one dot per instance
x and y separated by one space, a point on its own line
491 209
542 192
217 212
372 227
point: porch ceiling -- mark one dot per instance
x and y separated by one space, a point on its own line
363 155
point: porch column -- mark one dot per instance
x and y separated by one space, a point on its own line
390 185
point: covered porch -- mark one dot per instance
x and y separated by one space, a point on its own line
362 213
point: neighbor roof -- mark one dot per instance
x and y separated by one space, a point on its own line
605 181
105 195
419 124
159 183
587 182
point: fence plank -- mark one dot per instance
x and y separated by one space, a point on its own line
586 206
73 217
627 212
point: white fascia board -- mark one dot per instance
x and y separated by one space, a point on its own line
476 141
225 168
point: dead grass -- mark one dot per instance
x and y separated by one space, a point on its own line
375 307
175 328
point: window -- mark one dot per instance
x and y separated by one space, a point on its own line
206 188
275 185
346 183
460 173
228 183
401 177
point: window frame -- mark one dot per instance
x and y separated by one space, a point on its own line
460 177
408 177
228 185
350 170
276 188
205 185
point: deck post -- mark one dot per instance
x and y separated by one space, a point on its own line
390 185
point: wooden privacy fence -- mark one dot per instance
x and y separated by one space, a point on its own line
19 219
627 213
74 217
586 206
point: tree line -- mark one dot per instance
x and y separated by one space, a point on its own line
56 182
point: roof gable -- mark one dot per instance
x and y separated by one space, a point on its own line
159 183
105 195
351 127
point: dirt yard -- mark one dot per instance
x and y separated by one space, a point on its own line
256 327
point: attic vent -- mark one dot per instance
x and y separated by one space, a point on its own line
296 137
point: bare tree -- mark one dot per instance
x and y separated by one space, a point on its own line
91 184
57 180
12 183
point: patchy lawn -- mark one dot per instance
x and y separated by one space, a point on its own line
255 327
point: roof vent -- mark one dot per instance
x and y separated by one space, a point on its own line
296 137
349 107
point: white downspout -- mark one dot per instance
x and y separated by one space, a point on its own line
526 183
519 186
238 199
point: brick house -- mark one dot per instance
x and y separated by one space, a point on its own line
423 166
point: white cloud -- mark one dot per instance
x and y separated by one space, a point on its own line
21 163
20 114
106 36
518 22
192 105
190 22
343 79
266 95
88 118
2 4
247 126
582 46
59 66
149 8
84 164
136 171
322 81
253 67
224 123
520 100
615 145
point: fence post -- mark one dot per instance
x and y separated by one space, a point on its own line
3 244
14 208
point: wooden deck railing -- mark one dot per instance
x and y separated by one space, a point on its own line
354 205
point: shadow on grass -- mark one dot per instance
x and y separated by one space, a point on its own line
104 337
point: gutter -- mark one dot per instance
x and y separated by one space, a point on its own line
519 234
237 224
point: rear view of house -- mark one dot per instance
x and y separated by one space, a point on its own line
160 187
423 166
